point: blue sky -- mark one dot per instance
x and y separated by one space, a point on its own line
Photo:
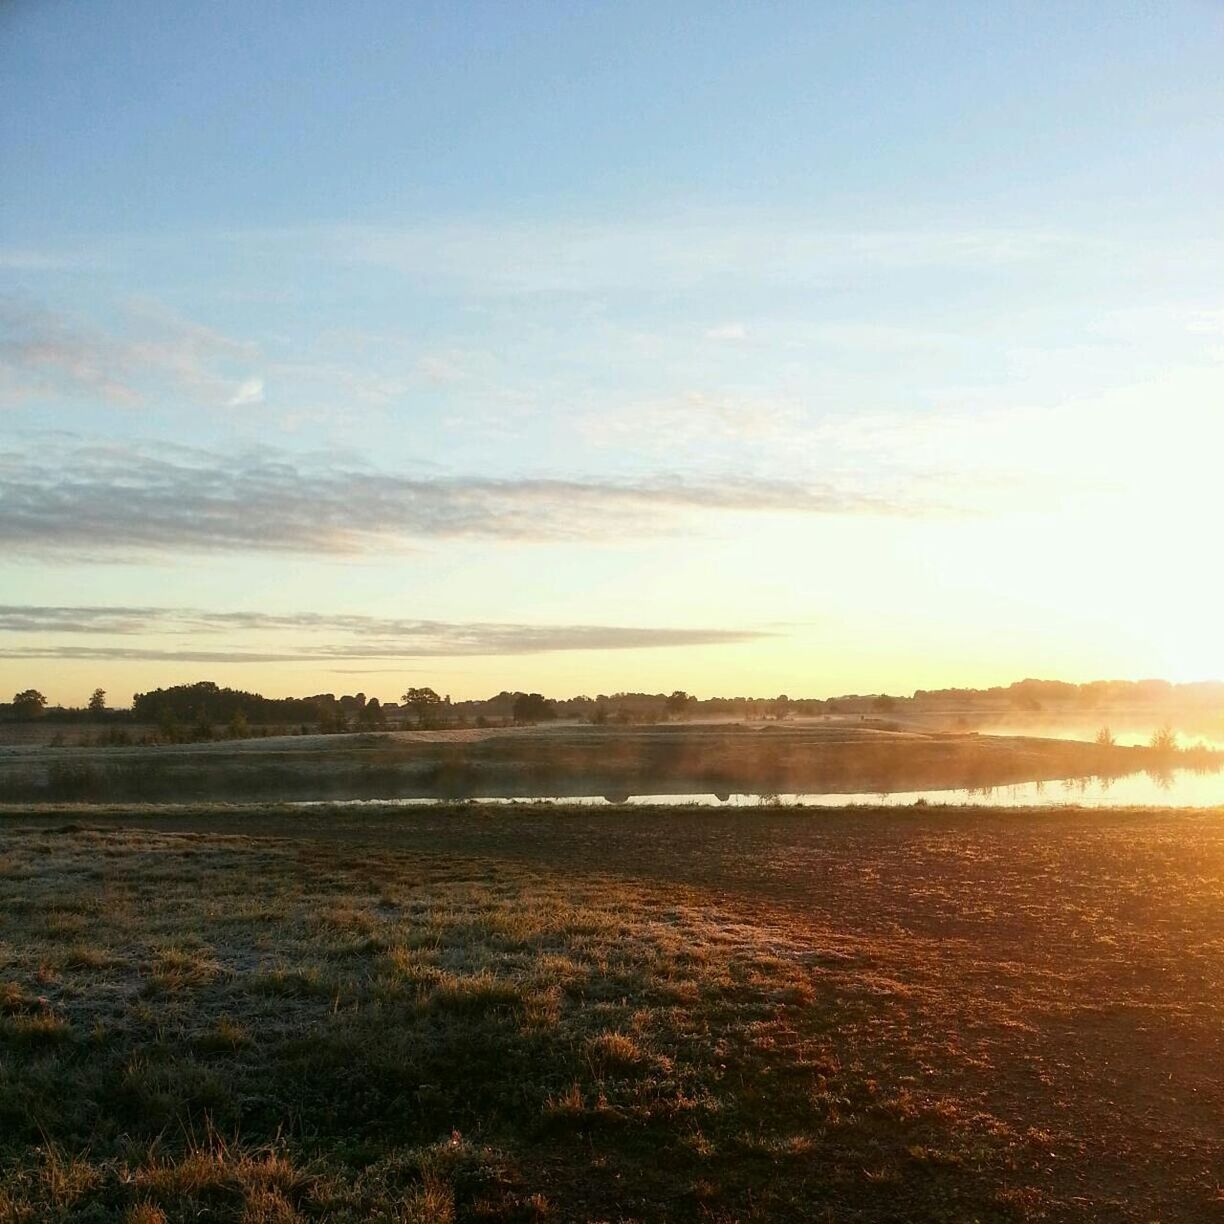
836 346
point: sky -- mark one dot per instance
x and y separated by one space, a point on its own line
751 349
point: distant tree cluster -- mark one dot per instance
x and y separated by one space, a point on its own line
1035 695
204 709
205 702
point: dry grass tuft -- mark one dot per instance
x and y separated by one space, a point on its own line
41 1028
226 1035
84 956
611 1054
477 992
144 1213
432 1202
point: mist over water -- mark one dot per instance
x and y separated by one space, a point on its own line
1129 730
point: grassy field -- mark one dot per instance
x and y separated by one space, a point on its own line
258 1014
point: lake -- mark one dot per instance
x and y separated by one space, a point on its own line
1177 788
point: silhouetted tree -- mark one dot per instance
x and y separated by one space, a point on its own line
423 702
29 705
533 708
97 703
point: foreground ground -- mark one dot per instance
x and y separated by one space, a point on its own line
523 1014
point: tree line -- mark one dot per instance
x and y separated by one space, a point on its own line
205 703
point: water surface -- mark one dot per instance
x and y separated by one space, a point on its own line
1177 788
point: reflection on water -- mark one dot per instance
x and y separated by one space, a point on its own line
1174 788
1180 788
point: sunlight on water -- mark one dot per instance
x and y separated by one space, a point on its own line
1178 788
1184 789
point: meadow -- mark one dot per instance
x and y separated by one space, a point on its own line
258 1013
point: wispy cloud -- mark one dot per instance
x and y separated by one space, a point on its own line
694 418
30 259
250 391
441 369
506 258
40 349
104 501
360 637
157 352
